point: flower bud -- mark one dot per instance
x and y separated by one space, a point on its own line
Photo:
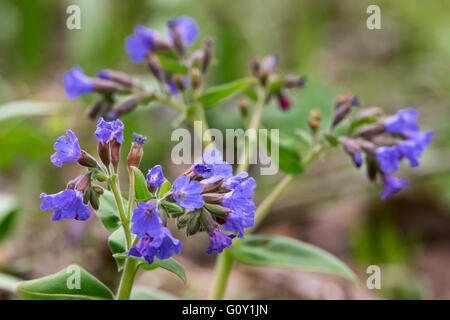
370 112
99 107
195 78
114 147
116 76
351 147
207 55
103 153
193 225
183 220
177 38
98 190
255 66
294 81
94 199
125 107
83 182
155 67
368 147
86 160
208 221
243 105
283 100
371 130
342 107
215 198
135 156
105 86
179 81
217 210
210 186
315 117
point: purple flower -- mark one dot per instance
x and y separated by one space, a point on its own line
234 181
388 158
186 26
155 176
212 166
413 148
404 122
146 220
392 185
76 83
106 131
139 44
163 246
67 149
219 241
67 204
139 139
240 201
188 193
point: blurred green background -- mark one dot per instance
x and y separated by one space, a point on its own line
406 63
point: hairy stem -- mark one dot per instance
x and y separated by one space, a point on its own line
131 193
123 217
126 282
253 136
224 265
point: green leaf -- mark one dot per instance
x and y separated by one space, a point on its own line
276 251
169 264
140 186
22 108
166 187
289 158
172 66
219 93
116 242
171 207
71 283
8 212
108 211
142 293
8 282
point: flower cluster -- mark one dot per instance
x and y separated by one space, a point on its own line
149 46
206 198
385 142
213 198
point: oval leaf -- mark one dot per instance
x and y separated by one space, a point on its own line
141 293
275 251
116 242
108 212
166 187
171 207
172 65
140 186
8 212
71 283
22 108
219 93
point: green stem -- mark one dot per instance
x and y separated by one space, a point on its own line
225 261
123 217
131 193
224 265
253 136
126 282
